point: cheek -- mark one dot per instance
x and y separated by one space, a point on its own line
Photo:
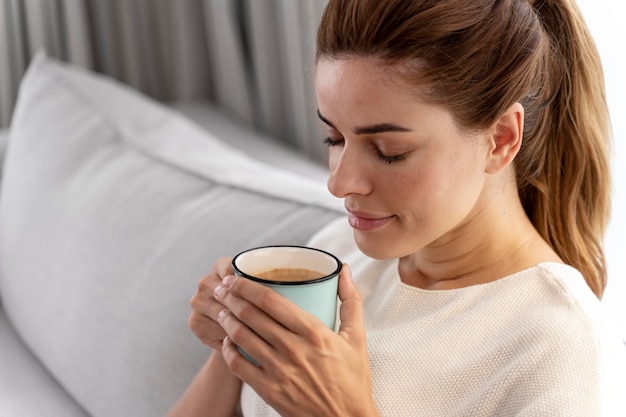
438 188
333 159
462 167
458 188
333 175
419 181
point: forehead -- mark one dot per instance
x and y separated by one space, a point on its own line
360 80
368 78
356 71
358 92
361 84
370 87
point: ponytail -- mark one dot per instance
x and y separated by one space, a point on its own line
563 170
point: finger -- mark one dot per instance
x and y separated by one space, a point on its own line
249 314
208 331
238 364
204 301
204 298
204 312
273 305
223 267
242 336
351 311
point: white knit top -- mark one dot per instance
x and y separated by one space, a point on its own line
535 343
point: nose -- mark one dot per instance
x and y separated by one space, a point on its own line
349 174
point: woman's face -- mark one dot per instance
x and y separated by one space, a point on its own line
408 176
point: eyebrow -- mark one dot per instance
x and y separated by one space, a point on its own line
369 130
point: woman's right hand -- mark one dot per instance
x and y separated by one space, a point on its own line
205 308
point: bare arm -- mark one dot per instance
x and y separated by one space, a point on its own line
213 392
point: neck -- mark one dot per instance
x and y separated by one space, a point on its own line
495 241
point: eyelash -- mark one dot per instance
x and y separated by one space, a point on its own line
332 142
388 159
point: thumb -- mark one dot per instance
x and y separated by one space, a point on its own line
351 310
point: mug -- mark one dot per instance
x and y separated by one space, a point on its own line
306 276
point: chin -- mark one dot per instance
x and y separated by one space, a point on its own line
375 247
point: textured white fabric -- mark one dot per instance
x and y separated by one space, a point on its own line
535 343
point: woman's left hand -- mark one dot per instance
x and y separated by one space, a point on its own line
305 369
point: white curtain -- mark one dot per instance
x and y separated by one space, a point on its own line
253 58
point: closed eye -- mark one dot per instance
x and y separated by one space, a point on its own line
390 159
332 142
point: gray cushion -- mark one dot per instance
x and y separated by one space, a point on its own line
4 133
112 207
26 388
269 150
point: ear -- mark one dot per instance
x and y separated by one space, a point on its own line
506 139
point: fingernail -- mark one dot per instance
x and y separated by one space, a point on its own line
221 315
228 281
218 292
348 271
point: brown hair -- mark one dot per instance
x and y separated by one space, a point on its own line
477 58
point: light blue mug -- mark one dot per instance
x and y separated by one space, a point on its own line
280 268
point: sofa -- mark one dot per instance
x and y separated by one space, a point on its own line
112 207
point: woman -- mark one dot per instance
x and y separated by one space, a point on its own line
469 141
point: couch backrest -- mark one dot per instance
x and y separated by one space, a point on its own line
111 209
4 133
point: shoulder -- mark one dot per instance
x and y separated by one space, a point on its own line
563 305
564 291
558 341
575 327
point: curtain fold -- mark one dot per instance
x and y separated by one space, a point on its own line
13 55
300 19
228 57
252 58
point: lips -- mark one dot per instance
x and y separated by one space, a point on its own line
367 222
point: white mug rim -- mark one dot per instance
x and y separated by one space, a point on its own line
331 275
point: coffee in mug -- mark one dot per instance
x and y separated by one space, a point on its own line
288 274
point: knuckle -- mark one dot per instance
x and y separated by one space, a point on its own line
195 301
208 283
275 392
194 323
315 335
222 266
235 363
246 312
200 303
201 292
358 296
268 299
207 333
238 334
202 283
